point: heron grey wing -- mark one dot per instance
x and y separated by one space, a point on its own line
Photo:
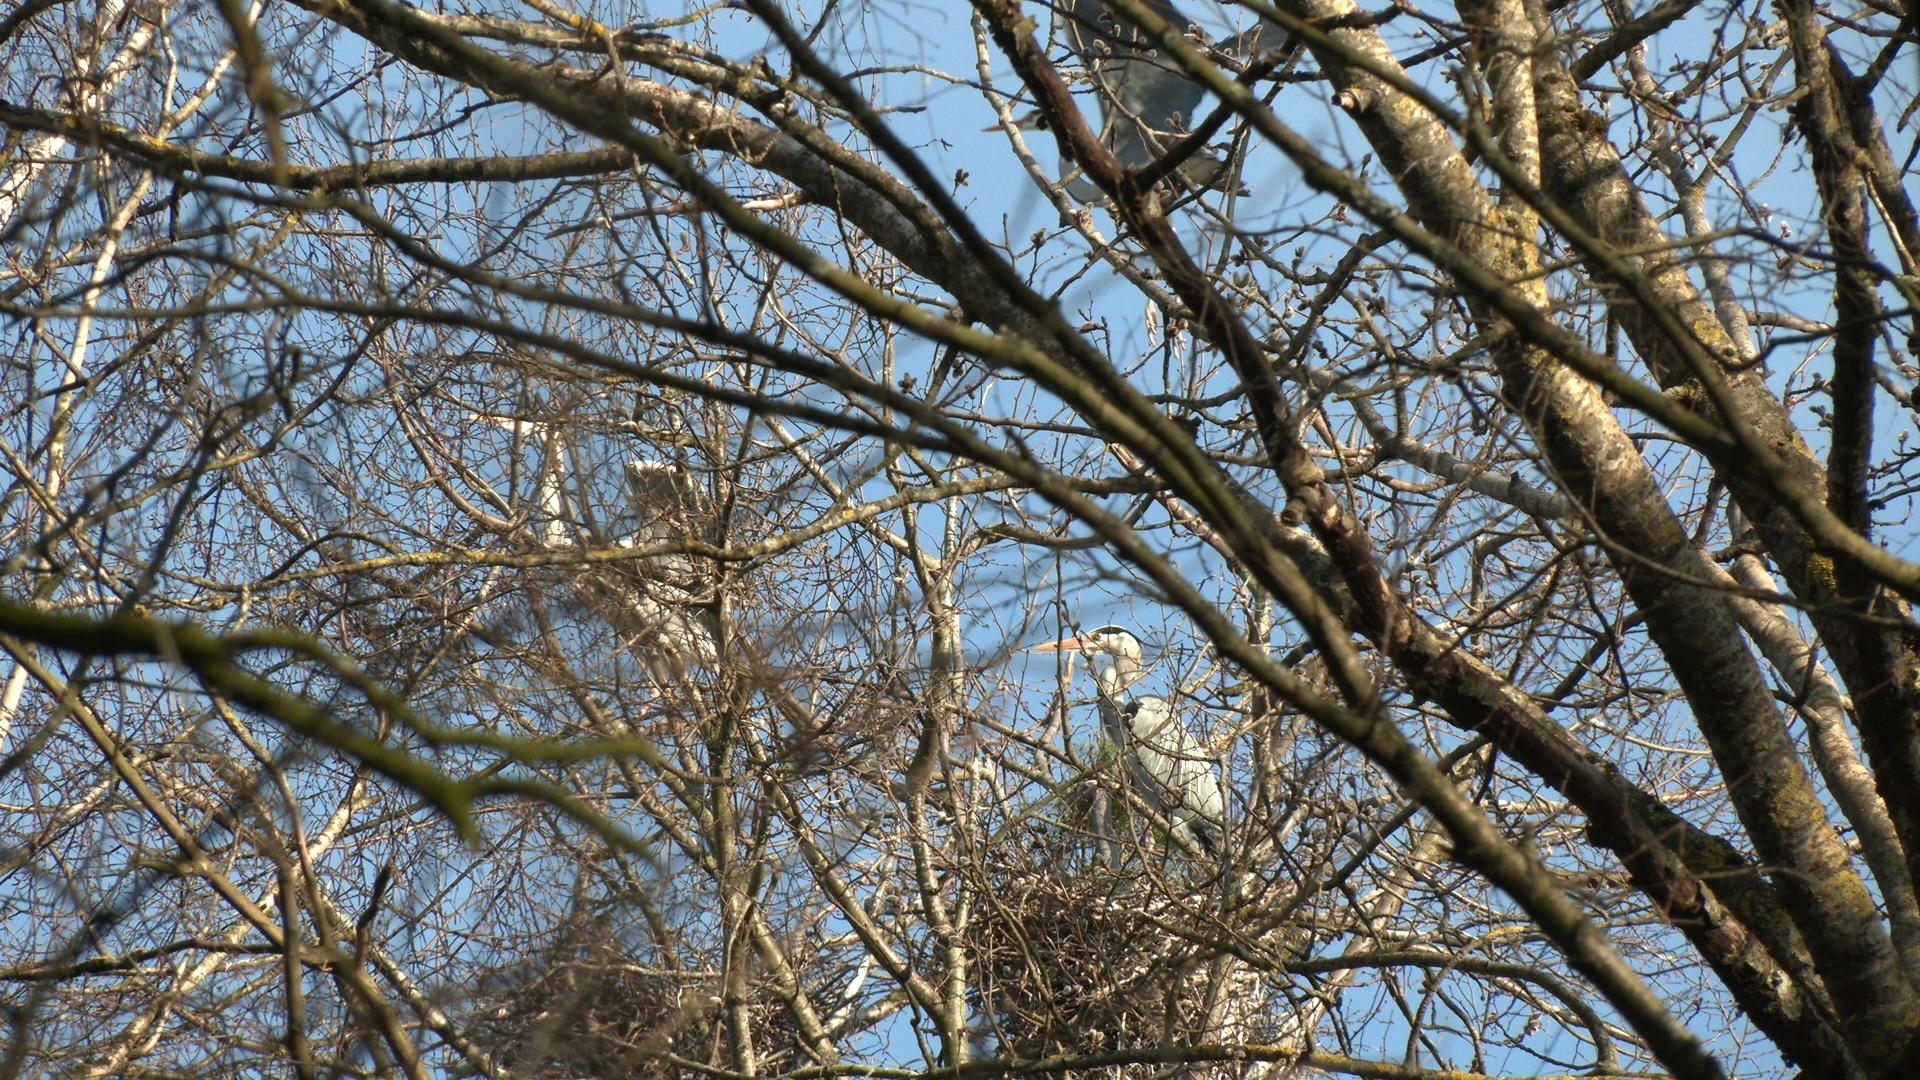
1166 782
671 623
1167 755
1155 90
1181 765
1201 789
1151 105
1128 129
1087 29
1151 769
1145 98
664 599
1076 185
658 488
1091 22
1200 810
1086 25
662 497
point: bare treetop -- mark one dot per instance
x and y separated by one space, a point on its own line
526 528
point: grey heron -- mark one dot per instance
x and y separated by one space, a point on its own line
1170 768
664 601
1146 100
660 605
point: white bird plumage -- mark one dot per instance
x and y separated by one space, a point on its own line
1171 769
665 587
660 605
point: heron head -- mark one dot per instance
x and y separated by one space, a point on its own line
1115 641
1033 121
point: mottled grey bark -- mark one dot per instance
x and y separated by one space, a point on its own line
1441 182
1818 701
1602 470
1880 663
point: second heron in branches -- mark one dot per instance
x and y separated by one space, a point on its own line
1147 101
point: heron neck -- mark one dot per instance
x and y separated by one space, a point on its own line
1117 676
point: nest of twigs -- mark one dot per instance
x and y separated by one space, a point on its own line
590 1007
1085 964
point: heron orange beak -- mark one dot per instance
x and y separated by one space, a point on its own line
1069 645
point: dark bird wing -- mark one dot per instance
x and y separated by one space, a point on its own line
1146 100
